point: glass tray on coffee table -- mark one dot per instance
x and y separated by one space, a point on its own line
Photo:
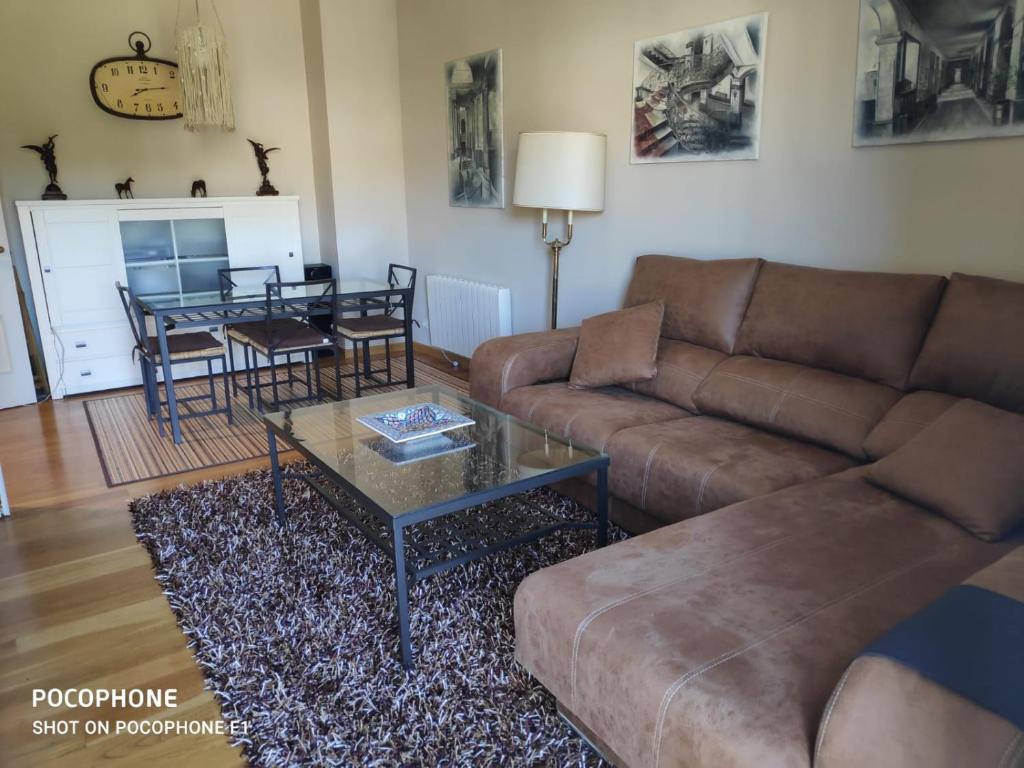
436 507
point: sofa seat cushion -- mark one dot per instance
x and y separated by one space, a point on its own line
682 367
865 324
590 416
974 347
718 640
807 403
683 468
911 414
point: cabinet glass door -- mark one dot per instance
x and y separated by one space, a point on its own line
175 254
202 248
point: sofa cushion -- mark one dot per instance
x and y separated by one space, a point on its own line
974 348
809 403
865 324
590 416
704 300
681 369
717 641
618 348
912 413
967 465
683 468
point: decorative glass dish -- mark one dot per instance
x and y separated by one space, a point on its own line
414 422
418 450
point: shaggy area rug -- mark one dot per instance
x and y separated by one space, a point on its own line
295 631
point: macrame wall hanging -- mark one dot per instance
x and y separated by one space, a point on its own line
203 68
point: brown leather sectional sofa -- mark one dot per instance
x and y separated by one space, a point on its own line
768 561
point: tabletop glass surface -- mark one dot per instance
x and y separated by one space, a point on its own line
249 294
498 450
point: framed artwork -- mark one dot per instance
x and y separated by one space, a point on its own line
476 162
697 93
936 70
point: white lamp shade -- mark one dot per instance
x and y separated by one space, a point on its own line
560 170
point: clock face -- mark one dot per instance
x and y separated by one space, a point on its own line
142 89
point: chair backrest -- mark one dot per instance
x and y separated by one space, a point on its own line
136 317
247 278
316 295
401 276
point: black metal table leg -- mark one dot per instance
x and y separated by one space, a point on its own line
402 593
602 506
410 360
165 360
275 468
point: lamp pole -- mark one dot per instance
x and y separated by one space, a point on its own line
556 247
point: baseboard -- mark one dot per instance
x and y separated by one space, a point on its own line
440 357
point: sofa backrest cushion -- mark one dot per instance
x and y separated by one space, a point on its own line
681 369
975 347
704 300
866 324
914 412
967 465
808 403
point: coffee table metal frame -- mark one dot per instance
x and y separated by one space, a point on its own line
417 555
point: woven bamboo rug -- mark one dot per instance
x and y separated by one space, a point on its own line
130 448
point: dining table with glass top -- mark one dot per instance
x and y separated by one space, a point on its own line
249 304
439 501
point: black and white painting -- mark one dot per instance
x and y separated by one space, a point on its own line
697 93
936 70
476 172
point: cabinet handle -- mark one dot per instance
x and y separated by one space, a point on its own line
85 372
81 345
291 254
46 270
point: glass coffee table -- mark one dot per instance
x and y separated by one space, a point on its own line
434 508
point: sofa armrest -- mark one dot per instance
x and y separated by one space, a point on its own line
904 702
503 364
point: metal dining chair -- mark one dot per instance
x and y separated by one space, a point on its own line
278 334
246 281
182 348
385 326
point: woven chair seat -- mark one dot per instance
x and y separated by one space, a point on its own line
187 346
287 335
370 327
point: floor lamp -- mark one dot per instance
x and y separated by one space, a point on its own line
562 171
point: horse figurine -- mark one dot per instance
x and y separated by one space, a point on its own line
124 189
198 188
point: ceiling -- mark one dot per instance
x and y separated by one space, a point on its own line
956 26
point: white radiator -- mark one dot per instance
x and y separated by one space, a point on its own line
462 314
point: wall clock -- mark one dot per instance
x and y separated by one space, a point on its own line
137 87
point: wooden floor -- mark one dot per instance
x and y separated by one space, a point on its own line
78 604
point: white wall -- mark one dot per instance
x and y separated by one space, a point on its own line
810 199
316 89
364 118
48 47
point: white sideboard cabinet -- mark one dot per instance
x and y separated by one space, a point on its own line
76 251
